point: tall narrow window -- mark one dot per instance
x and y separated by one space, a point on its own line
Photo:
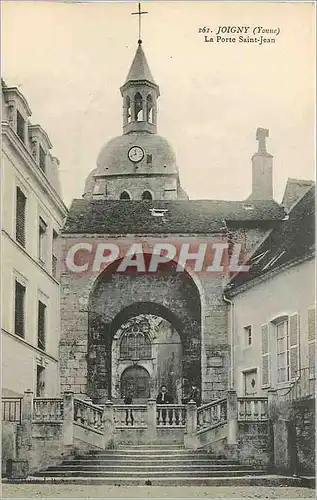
20 126
247 336
42 158
54 255
282 351
40 381
41 325
19 309
42 240
147 195
20 217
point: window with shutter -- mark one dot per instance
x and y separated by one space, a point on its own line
312 340
293 346
42 158
20 126
265 355
42 239
19 314
20 217
54 255
41 313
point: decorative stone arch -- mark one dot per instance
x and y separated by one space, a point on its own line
155 314
114 298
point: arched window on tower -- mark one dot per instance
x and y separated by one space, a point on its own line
135 343
138 116
125 196
128 109
146 195
149 109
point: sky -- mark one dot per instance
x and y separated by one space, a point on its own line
69 60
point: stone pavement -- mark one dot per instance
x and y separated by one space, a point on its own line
52 491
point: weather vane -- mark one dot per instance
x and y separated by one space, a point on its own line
139 13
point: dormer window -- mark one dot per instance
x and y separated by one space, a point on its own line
20 126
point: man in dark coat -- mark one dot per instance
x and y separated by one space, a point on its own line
164 398
193 395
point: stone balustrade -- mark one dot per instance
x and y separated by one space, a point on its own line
252 409
130 415
88 415
171 415
212 414
47 410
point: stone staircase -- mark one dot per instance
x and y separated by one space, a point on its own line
151 465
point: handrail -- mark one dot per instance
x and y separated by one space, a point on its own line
11 409
211 403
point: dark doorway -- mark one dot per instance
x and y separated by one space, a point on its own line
135 380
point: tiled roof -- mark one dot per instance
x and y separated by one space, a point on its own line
139 69
291 241
180 216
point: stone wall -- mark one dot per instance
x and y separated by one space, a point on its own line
253 443
305 427
8 443
91 309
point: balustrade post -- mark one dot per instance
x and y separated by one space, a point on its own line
108 423
26 421
68 418
232 416
151 419
190 438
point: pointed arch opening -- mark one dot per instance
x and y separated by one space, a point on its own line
138 107
125 196
149 108
128 110
146 195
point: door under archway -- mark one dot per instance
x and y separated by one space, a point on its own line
135 380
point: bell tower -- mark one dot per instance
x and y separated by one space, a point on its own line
139 94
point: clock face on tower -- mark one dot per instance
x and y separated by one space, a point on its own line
135 154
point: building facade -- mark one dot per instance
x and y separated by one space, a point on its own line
133 331
32 213
274 307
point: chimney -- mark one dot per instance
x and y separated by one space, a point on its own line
262 169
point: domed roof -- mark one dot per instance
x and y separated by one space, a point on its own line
159 157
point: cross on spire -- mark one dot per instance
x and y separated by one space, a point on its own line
261 135
139 13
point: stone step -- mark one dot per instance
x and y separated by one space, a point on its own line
150 452
148 475
135 469
253 480
151 461
154 445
